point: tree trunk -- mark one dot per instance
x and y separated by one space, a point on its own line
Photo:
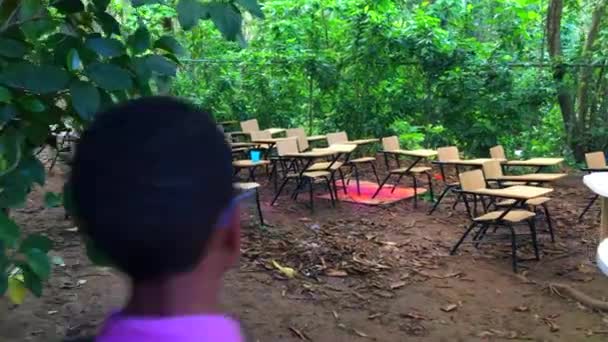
585 112
564 96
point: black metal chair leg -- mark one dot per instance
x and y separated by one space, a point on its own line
397 183
331 191
458 201
344 186
357 179
415 191
311 192
513 248
257 201
480 235
532 225
441 196
593 199
549 223
280 190
352 166
382 185
375 172
464 236
430 180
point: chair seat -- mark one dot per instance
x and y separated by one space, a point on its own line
322 166
512 216
245 185
534 201
362 160
507 183
317 174
246 163
416 169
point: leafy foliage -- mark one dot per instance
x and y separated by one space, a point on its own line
61 61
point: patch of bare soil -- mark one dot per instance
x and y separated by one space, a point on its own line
363 273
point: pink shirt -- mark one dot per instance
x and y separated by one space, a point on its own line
204 328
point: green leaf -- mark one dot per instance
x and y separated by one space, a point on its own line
52 200
108 24
5 95
101 5
141 68
252 6
3 282
109 76
40 79
68 6
32 104
29 8
85 99
226 18
9 231
73 60
169 44
7 113
31 280
140 40
12 48
161 65
31 170
39 262
36 132
16 289
137 3
57 260
105 47
36 241
33 29
189 12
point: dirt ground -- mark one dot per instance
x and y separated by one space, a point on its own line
364 273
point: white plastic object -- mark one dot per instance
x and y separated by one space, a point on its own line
602 256
598 183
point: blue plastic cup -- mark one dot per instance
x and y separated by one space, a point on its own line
255 155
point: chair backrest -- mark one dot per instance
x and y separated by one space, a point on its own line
448 153
336 138
287 146
300 134
498 152
255 135
250 126
472 180
492 169
390 143
343 148
595 160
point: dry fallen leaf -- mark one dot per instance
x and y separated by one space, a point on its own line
376 315
299 334
286 271
398 285
336 316
449 307
360 333
521 308
414 315
335 273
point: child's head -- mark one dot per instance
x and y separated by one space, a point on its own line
151 180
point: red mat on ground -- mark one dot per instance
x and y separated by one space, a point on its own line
367 191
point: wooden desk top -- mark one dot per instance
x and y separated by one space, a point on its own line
361 141
535 162
274 131
270 141
340 148
316 137
242 144
519 192
532 177
312 154
414 153
464 162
